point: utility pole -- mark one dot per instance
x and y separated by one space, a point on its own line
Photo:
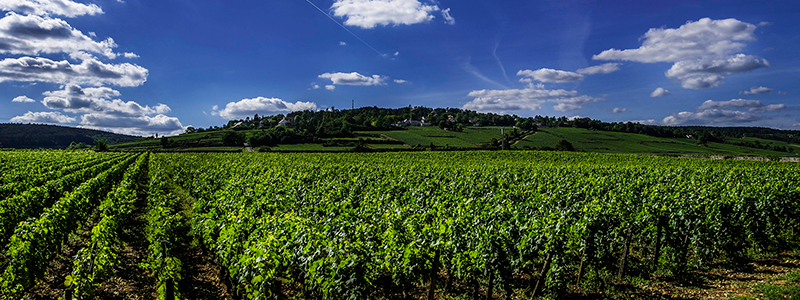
353 104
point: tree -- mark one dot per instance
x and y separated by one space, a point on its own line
190 129
231 138
165 142
101 146
564 145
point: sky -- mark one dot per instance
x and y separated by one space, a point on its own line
147 67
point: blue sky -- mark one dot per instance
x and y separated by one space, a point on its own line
144 67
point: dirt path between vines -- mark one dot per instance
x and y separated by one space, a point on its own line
719 282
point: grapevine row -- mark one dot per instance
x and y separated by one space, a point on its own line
36 241
163 222
30 203
366 226
96 262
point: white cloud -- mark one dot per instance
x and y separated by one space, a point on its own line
619 110
330 87
315 86
76 99
600 69
751 105
369 13
23 99
731 112
342 44
90 71
550 75
49 117
702 51
263 106
354 78
660 92
647 122
34 35
400 81
573 103
756 90
65 8
530 98
448 19
707 73
134 125
101 109
711 116
130 55
693 40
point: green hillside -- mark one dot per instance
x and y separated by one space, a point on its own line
617 142
32 136
472 138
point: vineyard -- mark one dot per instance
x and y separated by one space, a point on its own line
428 225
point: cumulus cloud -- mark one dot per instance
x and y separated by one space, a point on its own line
702 51
101 108
693 40
130 55
731 112
530 98
711 116
370 13
23 99
134 125
49 117
354 78
647 122
65 8
264 106
342 44
330 87
707 73
100 100
756 90
400 81
34 35
600 69
619 110
573 103
660 92
740 104
550 75
91 71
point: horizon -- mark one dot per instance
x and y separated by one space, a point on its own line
145 67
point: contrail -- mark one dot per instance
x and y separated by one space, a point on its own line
500 63
345 28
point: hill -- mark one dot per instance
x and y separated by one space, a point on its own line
31 136
421 128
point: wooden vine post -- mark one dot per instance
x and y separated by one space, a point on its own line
543 274
434 273
624 254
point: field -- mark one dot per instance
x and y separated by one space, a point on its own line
425 225
617 142
474 138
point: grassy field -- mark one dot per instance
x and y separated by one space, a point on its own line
617 142
584 140
308 147
471 137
